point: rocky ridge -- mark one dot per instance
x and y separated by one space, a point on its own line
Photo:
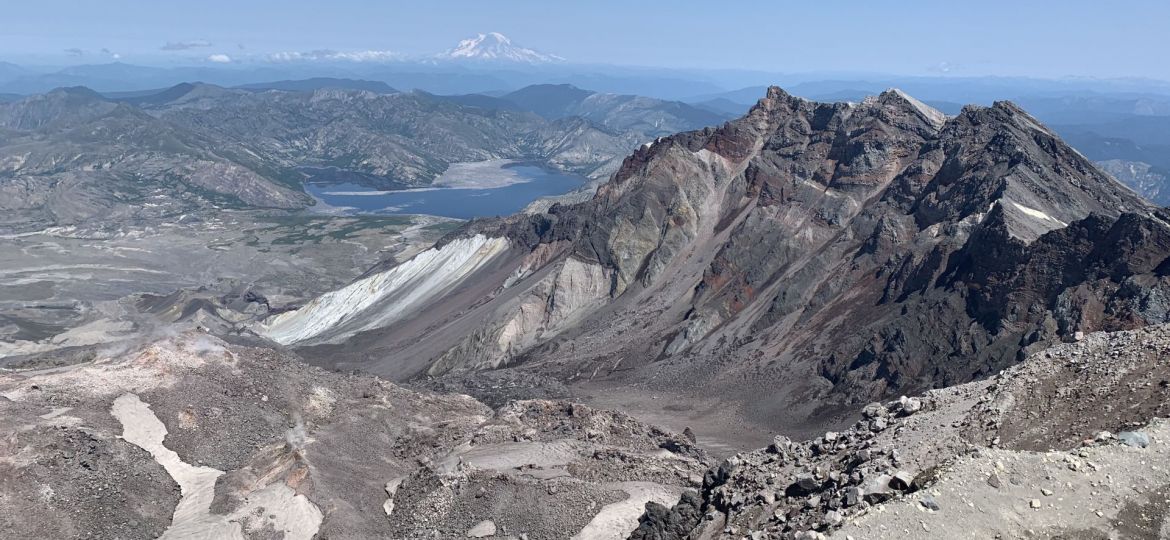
1066 443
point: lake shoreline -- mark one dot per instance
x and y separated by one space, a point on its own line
467 190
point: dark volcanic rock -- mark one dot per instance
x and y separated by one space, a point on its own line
661 523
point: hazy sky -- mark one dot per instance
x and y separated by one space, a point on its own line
998 37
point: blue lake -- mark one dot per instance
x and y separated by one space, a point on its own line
455 202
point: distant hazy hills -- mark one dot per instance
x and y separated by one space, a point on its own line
318 83
440 77
74 154
1151 181
620 112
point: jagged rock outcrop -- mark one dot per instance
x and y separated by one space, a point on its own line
807 258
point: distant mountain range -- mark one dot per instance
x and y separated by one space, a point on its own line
491 62
432 75
76 155
566 126
319 83
618 112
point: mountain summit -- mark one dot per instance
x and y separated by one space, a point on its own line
496 47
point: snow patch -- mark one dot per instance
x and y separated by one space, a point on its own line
391 490
276 506
1032 212
143 429
494 46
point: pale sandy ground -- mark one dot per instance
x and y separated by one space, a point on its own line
1095 497
69 287
718 425
489 174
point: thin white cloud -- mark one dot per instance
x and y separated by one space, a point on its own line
220 59
944 67
185 45
336 56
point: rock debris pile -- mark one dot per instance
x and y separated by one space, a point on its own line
1052 417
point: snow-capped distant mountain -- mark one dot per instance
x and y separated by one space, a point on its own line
496 47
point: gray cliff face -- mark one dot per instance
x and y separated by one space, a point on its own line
812 255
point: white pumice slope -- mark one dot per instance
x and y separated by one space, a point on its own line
383 298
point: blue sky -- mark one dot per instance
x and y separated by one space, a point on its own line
989 37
